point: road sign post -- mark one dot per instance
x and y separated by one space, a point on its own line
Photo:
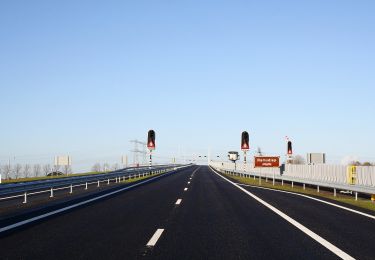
65 161
150 162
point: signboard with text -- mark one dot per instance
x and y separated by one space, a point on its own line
266 161
63 161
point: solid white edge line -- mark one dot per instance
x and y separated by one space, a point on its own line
312 198
154 239
178 202
337 251
27 221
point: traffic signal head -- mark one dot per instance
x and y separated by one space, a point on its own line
245 141
290 150
151 140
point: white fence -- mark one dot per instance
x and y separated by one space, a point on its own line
320 173
247 168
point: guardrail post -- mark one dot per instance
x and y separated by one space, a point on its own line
25 198
356 196
334 192
304 186
318 189
282 182
116 179
98 183
51 196
292 184
71 188
108 182
86 186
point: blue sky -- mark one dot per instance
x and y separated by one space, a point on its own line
85 77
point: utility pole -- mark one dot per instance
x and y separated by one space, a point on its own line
136 151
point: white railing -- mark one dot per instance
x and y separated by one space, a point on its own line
330 176
97 182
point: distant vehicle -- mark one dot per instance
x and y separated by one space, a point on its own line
57 173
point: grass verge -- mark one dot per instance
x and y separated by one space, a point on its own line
49 177
362 202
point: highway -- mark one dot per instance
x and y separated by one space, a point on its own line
194 214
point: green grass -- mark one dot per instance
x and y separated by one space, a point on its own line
48 177
346 199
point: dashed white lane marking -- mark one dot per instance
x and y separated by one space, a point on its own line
155 238
312 198
185 189
337 251
195 171
178 202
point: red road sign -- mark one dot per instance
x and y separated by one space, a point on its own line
266 161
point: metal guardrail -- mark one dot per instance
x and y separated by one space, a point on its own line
25 190
22 186
276 177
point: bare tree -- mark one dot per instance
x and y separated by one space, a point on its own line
56 168
7 169
106 167
115 167
298 159
96 167
37 170
17 170
354 163
67 169
26 170
366 164
46 169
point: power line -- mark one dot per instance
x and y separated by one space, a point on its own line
136 151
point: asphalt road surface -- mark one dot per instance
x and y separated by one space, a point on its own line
195 214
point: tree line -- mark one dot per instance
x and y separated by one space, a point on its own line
30 170
105 167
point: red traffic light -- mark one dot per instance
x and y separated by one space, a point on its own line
151 140
245 141
290 150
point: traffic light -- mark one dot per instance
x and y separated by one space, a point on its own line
290 150
151 140
245 141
